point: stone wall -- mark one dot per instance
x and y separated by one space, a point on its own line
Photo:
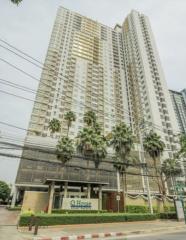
36 201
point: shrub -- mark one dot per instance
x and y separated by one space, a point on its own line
137 209
169 209
168 215
62 211
13 208
56 219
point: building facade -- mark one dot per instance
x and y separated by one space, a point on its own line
116 72
149 99
179 104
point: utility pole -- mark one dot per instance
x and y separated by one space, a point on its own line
145 172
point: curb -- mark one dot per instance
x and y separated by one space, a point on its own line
108 235
86 236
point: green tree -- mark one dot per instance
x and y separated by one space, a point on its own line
154 146
4 191
122 143
99 150
54 125
90 142
182 152
16 1
69 117
90 118
65 149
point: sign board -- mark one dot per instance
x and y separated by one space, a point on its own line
179 210
80 204
118 197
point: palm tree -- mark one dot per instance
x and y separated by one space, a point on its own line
171 168
154 146
99 144
122 143
69 117
90 142
182 152
97 128
65 149
84 144
54 125
91 145
90 118
16 1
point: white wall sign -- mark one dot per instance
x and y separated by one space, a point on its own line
179 210
80 204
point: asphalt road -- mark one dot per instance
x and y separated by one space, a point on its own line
170 236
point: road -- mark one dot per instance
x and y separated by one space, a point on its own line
161 236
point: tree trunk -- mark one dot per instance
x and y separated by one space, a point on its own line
124 193
125 175
163 191
88 170
68 127
157 174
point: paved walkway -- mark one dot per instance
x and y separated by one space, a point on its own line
8 217
8 222
128 228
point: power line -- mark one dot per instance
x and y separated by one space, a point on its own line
74 166
45 149
50 69
28 99
35 101
26 54
20 56
18 86
46 67
11 125
19 69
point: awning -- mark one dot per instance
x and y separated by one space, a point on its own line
74 183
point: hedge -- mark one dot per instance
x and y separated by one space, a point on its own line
168 215
137 209
130 209
56 219
62 211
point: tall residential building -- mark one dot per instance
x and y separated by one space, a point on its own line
115 72
183 92
179 103
148 95
84 69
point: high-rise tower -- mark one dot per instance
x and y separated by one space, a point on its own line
84 69
148 95
179 105
115 72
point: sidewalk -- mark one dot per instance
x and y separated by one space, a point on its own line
88 231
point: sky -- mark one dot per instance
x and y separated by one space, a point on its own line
28 28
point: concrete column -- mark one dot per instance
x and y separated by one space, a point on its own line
88 190
51 196
14 198
100 197
65 190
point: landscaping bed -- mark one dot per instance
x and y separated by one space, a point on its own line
13 208
63 219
